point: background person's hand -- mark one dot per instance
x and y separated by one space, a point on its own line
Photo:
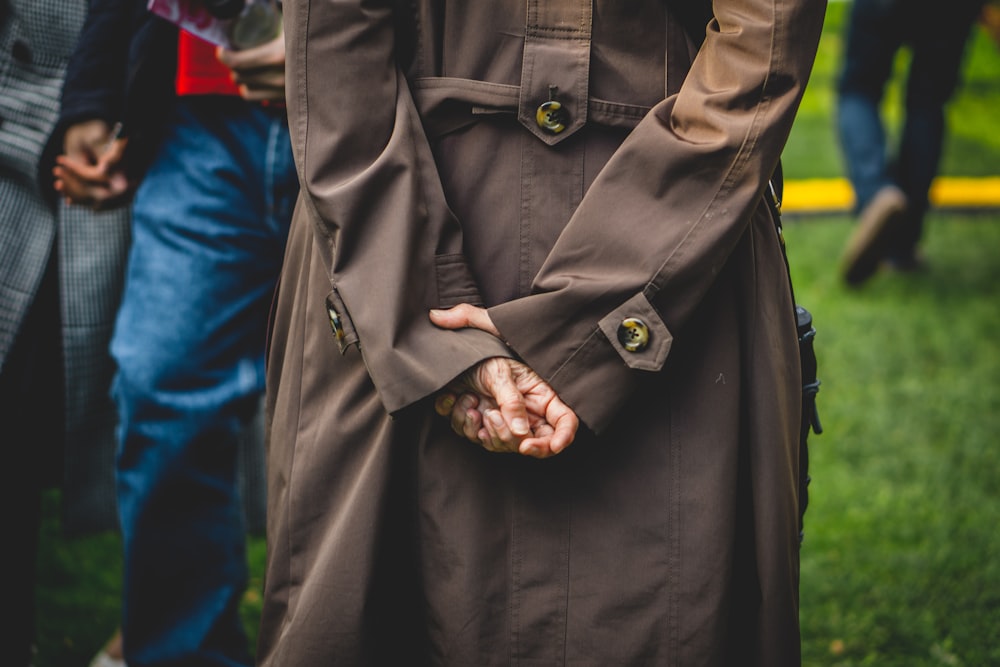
89 172
502 403
258 71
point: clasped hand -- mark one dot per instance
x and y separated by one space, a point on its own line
258 71
501 403
90 172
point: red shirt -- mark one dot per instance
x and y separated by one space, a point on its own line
199 72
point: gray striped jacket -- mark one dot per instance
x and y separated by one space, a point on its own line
36 40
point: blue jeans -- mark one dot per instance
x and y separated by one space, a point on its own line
209 227
936 35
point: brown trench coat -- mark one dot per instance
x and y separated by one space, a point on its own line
667 533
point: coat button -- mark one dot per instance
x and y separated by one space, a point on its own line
633 334
21 52
551 117
335 324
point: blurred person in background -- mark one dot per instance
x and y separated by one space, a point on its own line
891 185
61 271
206 151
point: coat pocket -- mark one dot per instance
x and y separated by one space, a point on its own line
455 283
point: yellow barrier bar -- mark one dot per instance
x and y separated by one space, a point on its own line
835 195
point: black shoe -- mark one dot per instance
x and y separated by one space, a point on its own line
914 263
878 225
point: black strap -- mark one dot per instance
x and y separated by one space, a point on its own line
807 355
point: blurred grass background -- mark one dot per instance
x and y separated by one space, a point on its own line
901 561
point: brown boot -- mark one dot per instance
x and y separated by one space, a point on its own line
878 225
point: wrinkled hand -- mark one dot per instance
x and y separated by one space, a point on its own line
90 171
258 71
501 403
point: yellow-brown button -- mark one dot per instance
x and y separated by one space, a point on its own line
633 334
335 324
551 117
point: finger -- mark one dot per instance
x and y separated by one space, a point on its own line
111 197
228 57
270 77
457 415
463 316
465 419
452 318
473 425
500 437
444 403
86 139
274 95
268 53
73 189
99 193
72 197
92 174
542 429
96 197
565 432
564 424
118 184
488 437
509 399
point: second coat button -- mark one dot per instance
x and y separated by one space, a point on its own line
633 334
551 117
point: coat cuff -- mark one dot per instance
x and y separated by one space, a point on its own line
598 376
637 332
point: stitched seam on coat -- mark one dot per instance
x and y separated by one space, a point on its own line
736 168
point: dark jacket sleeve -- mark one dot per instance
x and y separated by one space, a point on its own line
682 188
95 78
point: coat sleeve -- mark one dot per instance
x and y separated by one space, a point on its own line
661 219
369 182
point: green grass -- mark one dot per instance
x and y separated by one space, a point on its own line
79 592
900 564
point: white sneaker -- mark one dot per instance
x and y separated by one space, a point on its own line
102 659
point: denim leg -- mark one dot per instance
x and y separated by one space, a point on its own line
210 222
938 45
873 38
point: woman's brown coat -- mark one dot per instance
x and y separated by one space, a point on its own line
667 533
